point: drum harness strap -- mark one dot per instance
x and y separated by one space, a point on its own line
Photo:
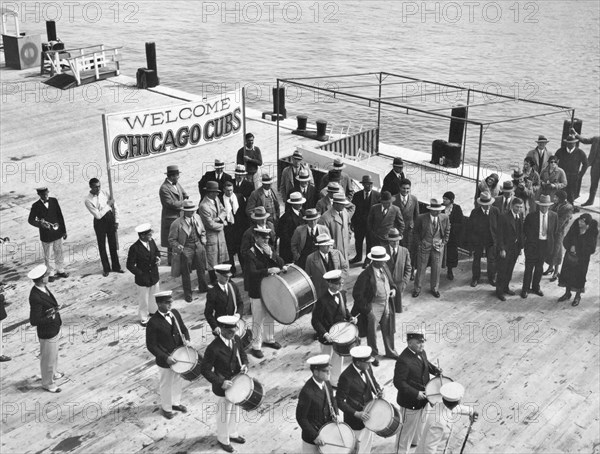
187 349
332 413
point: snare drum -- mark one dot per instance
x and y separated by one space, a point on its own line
384 418
246 392
432 390
338 437
188 362
244 333
345 337
288 296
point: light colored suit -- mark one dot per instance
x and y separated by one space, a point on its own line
214 221
533 154
288 179
400 269
430 244
339 227
171 199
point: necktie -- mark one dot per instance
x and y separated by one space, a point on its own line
168 318
486 212
506 204
230 218
217 206
364 377
384 211
366 195
544 225
395 254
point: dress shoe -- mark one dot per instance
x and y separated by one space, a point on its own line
273 345
58 375
119 271
53 389
167 414
509 292
474 283
450 274
392 356
202 287
537 292
415 294
435 293
576 301
356 259
181 408
51 278
225 447
239 440
188 299
501 297
375 363
550 270
104 273
63 275
492 282
576 210
143 322
587 203
412 276
4 358
257 353
523 293
554 278
565 297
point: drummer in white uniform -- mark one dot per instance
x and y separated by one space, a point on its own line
439 422
330 309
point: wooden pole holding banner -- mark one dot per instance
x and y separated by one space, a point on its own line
109 174
244 117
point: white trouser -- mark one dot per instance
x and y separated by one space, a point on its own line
413 422
170 384
1 339
432 432
49 360
364 441
336 361
228 417
58 256
147 302
260 319
307 448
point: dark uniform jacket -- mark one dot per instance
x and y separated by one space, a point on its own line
162 337
40 304
313 411
353 394
256 264
222 363
391 182
411 375
52 214
327 312
142 263
218 303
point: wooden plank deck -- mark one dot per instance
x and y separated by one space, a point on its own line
530 366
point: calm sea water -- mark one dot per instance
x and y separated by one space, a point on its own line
541 50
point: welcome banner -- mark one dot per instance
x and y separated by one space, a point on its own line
131 136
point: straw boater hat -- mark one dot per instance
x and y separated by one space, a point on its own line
435 205
311 215
542 139
319 362
394 235
266 179
378 254
362 353
296 199
164 297
303 175
259 213
37 272
338 164
212 186
219 164
571 139
297 155
240 169
338 197
323 239
366 179
333 276
544 201
262 231
223 268
485 198
188 205
229 321
144 228
172 170
332 186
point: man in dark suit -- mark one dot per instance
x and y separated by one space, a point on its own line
322 260
291 219
224 298
265 197
241 185
316 404
480 235
509 242
573 161
47 216
223 360
541 230
165 333
384 216
142 260
259 218
217 175
409 206
392 180
237 222
330 309
594 163
44 315
171 195
508 193
356 388
363 200
305 186
304 239
411 375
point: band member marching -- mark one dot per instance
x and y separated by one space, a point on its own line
223 298
224 359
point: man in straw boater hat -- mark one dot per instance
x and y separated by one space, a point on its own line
324 259
374 293
539 154
187 238
438 425
315 404
383 217
540 230
259 218
142 261
509 242
573 161
44 315
224 298
265 197
289 175
218 174
171 195
336 171
305 186
326 201
251 157
480 235
594 163
260 262
330 308
399 265
363 200
214 217
47 216
166 332
337 221
508 193
240 184
291 219
304 239
223 360
432 231
357 386
393 179
411 375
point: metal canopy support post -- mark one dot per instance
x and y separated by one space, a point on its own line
464 143
379 113
277 123
479 157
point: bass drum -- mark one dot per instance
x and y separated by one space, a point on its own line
432 390
384 418
246 392
288 296
188 364
338 437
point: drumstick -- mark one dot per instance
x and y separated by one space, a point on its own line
333 413
333 444
466 437
183 361
441 381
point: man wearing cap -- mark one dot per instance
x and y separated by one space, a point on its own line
218 175
338 174
539 154
393 179
3 303
304 239
374 293
265 197
291 219
44 315
480 234
324 259
316 404
237 222
214 217
540 229
508 192
304 185
594 163
363 200
223 298
47 216
411 375
326 201
106 223
409 206
330 308
171 195
432 231
552 178
290 174
165 333
259 218
187 239
357 386
574 162
399 264
384 216
456 217
527 184
241 185
261 261
142 261
438 425
223 360
509 242
337 221
251 157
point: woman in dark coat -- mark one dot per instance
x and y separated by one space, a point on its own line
580 244
455 214
564 211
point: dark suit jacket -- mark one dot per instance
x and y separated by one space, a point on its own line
327 312
313 411
311 196
509 233
162 337
52 214
422 231
379 225
285 229
221 363
411 375
142 263
233 233
39 304
456 223
499 203
212 176
531 228
391 182
481 228
218 303
256 264
353 394
359 220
